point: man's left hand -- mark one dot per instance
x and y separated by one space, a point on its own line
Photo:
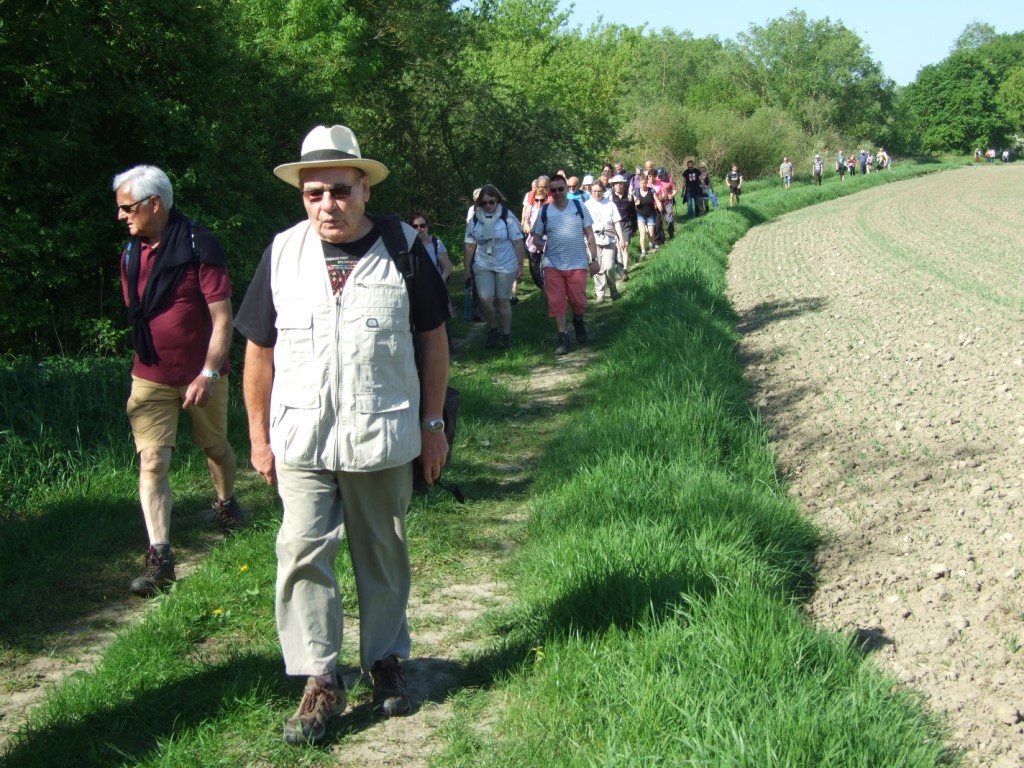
198 392
433 454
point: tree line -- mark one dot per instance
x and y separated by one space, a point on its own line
448 95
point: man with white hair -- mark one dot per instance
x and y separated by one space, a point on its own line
178 292
338 410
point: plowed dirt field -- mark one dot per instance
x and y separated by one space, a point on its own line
883 338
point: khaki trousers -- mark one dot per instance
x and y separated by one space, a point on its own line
320 508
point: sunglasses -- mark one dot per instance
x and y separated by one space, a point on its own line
557 190
130 208
421 225
488 202
337 192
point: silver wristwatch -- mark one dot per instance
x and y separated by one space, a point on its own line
210 374
434 426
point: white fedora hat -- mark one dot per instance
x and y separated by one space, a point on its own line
334 147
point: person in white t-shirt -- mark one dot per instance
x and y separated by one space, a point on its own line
609 237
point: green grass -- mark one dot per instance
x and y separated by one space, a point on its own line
658 570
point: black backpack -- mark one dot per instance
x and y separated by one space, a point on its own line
393 234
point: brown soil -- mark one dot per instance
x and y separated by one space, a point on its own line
882 337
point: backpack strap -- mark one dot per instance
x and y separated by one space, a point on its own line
397 244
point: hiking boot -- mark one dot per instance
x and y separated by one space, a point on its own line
159 572
390 695
506 340
580 328
493 338
625 275
229 516
319 704
562 348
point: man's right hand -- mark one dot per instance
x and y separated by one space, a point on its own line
263 462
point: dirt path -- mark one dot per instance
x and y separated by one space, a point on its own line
441 621
883 339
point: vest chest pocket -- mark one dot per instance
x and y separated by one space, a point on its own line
295 333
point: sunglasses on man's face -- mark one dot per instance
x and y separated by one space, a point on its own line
130 208
315 195
420 225
557 190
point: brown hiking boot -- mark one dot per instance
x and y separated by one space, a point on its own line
159 572
390 695
229 516
319 704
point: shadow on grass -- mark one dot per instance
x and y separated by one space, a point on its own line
135 729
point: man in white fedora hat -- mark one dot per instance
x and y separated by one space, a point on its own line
337 415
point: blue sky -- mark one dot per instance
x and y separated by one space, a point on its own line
903 35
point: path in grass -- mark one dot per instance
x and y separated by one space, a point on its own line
443 621
882 336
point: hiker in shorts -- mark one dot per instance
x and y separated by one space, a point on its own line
176 285
841 166
786 172
568 230
338 410
734 180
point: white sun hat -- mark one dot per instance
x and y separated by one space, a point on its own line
334 147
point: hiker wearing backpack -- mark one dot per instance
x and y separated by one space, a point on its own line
494 255
439 255
570 249
338 410
175 282
818 168
609 237
841 166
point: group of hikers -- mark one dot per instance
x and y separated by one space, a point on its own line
346 370
569 229
864 161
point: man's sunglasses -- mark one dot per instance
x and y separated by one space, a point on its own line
130 208
337 192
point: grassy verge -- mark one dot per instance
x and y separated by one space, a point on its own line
658 575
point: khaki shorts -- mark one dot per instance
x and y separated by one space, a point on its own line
153 411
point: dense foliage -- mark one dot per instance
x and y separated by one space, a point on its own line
448 95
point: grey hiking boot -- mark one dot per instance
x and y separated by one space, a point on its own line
580 328
320 703
562 347
493 338
159 573
390 696
229 516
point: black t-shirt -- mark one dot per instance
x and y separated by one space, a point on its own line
691 177
428 299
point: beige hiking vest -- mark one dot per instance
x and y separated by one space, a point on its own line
346 393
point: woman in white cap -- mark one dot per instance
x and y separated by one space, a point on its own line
494 255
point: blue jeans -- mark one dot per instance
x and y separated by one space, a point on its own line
692 202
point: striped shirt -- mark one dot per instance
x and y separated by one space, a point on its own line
566 245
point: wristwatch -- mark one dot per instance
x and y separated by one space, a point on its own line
433 426
210 374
